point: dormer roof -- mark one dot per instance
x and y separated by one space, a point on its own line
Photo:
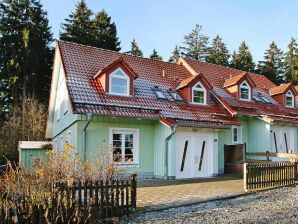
237 79
118 62
193 80
282 89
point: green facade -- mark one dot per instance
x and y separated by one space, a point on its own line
28 156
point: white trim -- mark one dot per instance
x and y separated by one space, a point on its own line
245 87
194 88
289 94
239 134
136 143
33 144
126 77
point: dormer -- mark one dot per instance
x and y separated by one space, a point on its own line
117 78
284 94
240 86
195 89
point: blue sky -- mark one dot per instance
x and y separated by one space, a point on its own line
161 24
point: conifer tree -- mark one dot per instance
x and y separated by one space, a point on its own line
175 55
135 50
105 32
273 65
195 45
155 55
243 59
291 62
26 54
78 27
218 52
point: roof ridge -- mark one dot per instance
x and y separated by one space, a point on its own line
235 69
123 54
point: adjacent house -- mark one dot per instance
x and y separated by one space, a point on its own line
162 119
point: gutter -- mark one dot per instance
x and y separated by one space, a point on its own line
89 118
168 138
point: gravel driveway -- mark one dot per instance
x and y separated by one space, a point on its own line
279 205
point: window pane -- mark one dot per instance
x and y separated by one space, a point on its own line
128 147
117 144
198 96
244 93
235 135
119 73
119 86
289 101
199 86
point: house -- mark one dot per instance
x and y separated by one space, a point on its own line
161 119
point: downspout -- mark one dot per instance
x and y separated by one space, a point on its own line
173 128
89 118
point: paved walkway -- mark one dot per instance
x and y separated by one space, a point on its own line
159 194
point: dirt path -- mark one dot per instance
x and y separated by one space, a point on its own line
274 206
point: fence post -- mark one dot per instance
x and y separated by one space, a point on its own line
134 191
245 176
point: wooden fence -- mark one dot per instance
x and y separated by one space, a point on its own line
268 174
81 201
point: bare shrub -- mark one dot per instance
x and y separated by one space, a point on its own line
27 122
37 185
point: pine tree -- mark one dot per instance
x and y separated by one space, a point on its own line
26 54
195 45
135 50
105 32
291 62
243 59
155 55
175 55
78 27
273 65
218 52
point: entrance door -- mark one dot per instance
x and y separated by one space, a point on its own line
194 155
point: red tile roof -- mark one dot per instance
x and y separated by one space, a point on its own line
83 62
217 75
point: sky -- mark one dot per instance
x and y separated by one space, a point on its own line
162 24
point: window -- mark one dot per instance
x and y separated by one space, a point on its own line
236 135
159 94
199 94
289 99
125 147
119 83
245 91
176 96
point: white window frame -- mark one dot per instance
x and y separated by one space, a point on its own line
290 94
239 134
195 88
136 142
245 87
125 77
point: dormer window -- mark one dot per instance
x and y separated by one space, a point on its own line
119 83
199 94
245 91
289 99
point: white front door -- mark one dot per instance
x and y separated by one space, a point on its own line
194 155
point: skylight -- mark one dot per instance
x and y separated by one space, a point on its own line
259 97
159 94
176 96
